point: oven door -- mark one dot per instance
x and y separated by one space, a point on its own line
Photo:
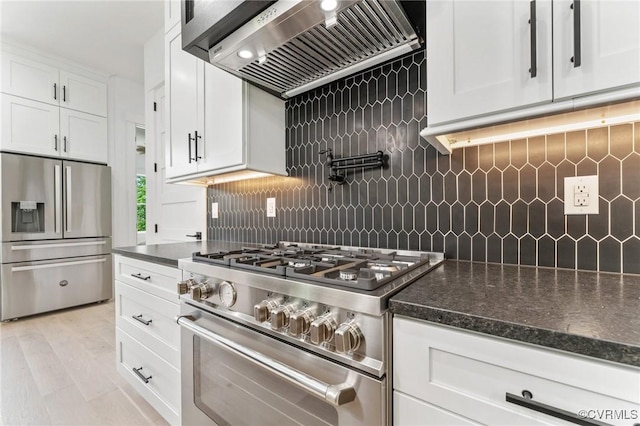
233 375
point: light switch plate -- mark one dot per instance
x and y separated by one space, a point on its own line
214 210
271 207
581 195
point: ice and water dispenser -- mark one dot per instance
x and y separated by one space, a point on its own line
27 216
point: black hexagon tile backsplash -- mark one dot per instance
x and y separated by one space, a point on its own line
493 203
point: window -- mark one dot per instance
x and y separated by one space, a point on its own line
141 199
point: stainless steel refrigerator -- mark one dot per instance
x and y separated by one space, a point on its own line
56 234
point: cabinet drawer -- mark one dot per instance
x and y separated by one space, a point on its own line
150 320
152 278
409 411
162 387
470 374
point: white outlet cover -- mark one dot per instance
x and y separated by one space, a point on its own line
214 210
591 183
271 207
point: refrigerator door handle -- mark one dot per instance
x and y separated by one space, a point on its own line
57 198
56 265
68 205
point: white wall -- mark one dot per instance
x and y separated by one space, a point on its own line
154 61
126 109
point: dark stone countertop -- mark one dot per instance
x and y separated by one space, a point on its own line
589 313
168 254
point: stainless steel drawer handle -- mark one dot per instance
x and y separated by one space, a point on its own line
141 376
141 277
335 395
528 402
139 319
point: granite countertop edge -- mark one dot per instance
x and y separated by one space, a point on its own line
583 345
168 261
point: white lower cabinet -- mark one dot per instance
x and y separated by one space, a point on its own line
147 335
450 376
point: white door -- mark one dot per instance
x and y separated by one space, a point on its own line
83 94
182 74
479 57
84 136
596 47
30 127
30 79
223 142
178 210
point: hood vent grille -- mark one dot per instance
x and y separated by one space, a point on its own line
366 33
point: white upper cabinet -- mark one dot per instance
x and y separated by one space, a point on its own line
30 79
218 124
596 46
223 94
52 112
185 101
491 62
486 56
171 14
83 135
30 126
83 94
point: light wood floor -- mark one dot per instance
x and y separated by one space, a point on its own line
59 369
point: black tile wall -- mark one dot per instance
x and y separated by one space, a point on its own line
495 203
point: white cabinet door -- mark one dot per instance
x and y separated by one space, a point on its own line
604 36
479 56
84 136
171 14
409 411
83 94
223 143
30 126
184 78
30 79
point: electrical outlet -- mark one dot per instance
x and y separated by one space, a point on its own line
214 210
581 195
271 207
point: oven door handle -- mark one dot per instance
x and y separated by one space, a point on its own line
335 395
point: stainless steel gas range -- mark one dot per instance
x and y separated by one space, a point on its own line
291 334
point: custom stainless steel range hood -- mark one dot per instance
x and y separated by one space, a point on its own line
294 45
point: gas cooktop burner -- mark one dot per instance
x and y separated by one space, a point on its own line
364 269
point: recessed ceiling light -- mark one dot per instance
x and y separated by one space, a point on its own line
245 54
329 5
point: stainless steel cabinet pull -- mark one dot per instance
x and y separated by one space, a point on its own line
55 88
65 143
139 319
534 39
549 410
140 276
335 395
577 47
64 93
196 144
141 376
55 142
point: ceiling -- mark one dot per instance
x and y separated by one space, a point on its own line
106 35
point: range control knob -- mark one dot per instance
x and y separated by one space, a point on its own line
300 322
184 286
201 291
280 316
262 310
348 337
322 329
